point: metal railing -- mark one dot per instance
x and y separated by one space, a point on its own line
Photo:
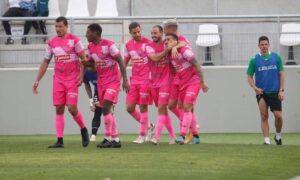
239 36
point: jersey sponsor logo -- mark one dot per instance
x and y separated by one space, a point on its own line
62 58
266 68
72 95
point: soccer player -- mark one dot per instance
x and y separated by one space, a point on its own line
190 80
68 53
268 86
107 57
139 93
161 80
90 77
171 27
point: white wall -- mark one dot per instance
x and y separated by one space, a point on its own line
229 106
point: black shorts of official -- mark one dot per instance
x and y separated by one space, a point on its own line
271 100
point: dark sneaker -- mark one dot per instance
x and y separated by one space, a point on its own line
278 142
104 144
85 137
24 41
57 145
115 144
9 41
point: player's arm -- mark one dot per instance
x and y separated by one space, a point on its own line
41 73
250 73
175 48
88 90
200 74
125 83
157 56
281 79
83 60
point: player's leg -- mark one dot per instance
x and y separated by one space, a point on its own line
188 96
131 101
59 126
59 101
264 115
276 108
71 101
143 101
160 119
107 100
96 122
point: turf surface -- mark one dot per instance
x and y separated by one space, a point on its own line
220 156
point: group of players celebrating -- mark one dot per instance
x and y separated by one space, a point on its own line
164 71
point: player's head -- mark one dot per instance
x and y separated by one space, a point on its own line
61 26
170 26
93 32
157 33
135 31
263 44
171 40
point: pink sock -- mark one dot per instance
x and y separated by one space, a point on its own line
114 130
187 119
168 123
159 126
136 115
108 121
59 125
144 124
79 120
194 125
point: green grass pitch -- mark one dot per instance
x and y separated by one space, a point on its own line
219 156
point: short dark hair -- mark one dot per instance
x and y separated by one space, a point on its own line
133 25
263 38
62 19
173 36
159 28
95 28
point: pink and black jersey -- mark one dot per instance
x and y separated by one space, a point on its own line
136 52
65 52
160 70
185 71
104 54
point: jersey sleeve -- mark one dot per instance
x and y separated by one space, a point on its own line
89 55
114 51
251 67
126 54
48 52
280 63
149 50
188 54
79 49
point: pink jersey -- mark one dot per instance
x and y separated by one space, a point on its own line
185 71
104 54
136 52
160 70
66 61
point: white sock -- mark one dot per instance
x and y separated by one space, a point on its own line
116 139
267 140
278 136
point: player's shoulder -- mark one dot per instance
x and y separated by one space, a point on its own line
73 37
146 40
107 42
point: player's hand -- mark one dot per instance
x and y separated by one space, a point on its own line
92 105
35 87
280 95
258 91
174 52
125 86
204 87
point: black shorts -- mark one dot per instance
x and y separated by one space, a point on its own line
271 100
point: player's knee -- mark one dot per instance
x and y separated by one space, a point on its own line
278 115
264 116
162 109
187 107
106 110
144 108
130 109
60 110
72 110
171 106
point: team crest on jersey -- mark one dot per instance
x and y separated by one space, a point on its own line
71 43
